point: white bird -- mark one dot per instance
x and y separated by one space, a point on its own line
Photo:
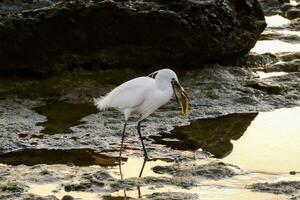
143 96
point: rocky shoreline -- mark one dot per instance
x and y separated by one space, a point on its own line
52 138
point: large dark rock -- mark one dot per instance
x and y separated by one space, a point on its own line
127 33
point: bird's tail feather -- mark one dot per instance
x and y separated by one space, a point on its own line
101 103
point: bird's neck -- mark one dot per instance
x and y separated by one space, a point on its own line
164 86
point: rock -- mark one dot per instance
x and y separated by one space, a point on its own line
292 13
286 6
271 34
289 56
213 170
172 196
270 88
289 66
282 187
15 6
35 197
270 7
254 60
128 33
67 197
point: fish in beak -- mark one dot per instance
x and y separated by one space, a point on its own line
184 98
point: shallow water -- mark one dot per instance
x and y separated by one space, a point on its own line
267 141
61 116
266 145
274 46
270 144
276 21
78 157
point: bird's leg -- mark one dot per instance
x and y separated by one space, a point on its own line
139 131
142 169
122 141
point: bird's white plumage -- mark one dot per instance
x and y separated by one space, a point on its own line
141 95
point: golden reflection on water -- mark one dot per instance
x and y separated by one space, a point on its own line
271 143
133 166
48 189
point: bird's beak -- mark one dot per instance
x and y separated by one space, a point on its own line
184 98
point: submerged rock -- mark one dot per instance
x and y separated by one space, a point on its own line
282 187
35 197
213 170
172 196
128 33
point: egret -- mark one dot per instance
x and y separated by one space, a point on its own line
143 96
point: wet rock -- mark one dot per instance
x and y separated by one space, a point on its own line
254 60
270 7
273 34
290 66
213 170
85 187
282 187
35 197
15 6
292 13
214 90
294 25
173 196
268 86
12 187
132 33
289 56
67 197
286 6
91 182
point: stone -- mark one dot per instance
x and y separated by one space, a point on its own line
95 33
292 13
270 7
289 66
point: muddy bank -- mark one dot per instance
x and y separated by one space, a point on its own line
92 34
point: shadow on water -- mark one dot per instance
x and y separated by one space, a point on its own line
78 157
62 115
212 135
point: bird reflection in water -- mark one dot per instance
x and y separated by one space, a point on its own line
140 175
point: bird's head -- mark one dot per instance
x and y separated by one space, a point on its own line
168 77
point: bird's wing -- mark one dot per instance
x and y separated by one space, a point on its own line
147 111
128 95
